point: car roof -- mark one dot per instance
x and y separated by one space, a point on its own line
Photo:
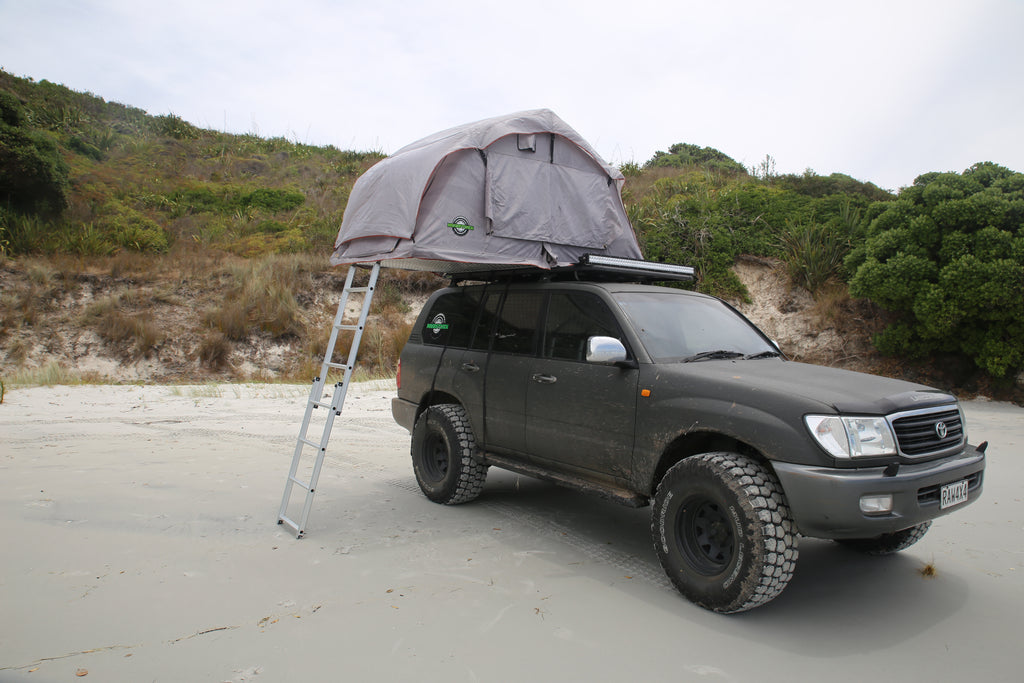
610 287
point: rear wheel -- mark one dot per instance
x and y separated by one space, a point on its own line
723 531
887 544
443 455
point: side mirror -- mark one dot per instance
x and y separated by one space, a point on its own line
605 351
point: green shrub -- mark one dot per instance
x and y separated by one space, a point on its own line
79 145
33 175
175 127
813 254
130 229
274 200
681 155
948 257
86 240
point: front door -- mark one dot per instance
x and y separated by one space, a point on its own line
580 415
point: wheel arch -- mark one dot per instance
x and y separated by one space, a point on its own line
434 398
697 442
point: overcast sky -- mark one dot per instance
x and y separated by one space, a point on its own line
880 90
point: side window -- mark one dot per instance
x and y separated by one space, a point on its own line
450 321
516 327
572 318
488 313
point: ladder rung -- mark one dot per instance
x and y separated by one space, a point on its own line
291 525
314 444
359 289
351 328
339 366
318 404
300 483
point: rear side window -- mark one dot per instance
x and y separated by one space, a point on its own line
516 328
488 314
450 321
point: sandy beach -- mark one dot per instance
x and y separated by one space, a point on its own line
139 544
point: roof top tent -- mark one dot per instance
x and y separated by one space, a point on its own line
517 192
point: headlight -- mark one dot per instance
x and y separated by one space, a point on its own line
852 437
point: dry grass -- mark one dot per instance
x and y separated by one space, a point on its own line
262 297
214 351
138 330
203 314
51 374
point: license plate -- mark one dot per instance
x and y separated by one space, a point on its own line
953 494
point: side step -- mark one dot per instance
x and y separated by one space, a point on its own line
607 491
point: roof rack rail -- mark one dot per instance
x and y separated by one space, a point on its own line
589 267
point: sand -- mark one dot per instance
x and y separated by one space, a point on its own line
139 544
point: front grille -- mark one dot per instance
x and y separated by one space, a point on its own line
930 494
918 433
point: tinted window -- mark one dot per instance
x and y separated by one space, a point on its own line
517 326
572 318
450 321
675 326
488 314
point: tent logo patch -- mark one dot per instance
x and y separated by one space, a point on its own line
460 226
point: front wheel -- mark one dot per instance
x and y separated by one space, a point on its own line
723 531
887 544
443 455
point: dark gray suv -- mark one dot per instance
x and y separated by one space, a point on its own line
655 395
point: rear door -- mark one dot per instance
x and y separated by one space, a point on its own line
511 361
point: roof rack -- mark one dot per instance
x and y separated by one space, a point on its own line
592 267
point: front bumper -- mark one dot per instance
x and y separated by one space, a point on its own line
825 501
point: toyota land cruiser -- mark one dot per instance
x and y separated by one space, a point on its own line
655 395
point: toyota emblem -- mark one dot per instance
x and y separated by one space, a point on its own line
941 430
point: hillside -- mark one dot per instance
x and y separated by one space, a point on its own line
139 248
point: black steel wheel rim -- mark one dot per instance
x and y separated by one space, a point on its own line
705 536
435 457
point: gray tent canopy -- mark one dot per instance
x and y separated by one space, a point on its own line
518 190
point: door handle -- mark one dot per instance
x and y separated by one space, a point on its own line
544 379
470 367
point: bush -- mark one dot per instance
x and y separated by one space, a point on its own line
681 155
33 175
175 127
129 229
948 257
813 254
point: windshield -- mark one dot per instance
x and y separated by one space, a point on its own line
677 327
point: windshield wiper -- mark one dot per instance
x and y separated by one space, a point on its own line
763 354
713 355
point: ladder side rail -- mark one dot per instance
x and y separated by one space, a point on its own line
341 388
350 362
336 327
337 401
315 392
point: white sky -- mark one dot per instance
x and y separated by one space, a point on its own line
882 90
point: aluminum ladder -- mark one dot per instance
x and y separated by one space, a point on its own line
333 405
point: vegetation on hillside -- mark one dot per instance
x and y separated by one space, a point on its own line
94 191
79 175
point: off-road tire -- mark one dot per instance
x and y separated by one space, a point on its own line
443 455
723 531
887 544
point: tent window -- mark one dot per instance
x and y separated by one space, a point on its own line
526 143
530 199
